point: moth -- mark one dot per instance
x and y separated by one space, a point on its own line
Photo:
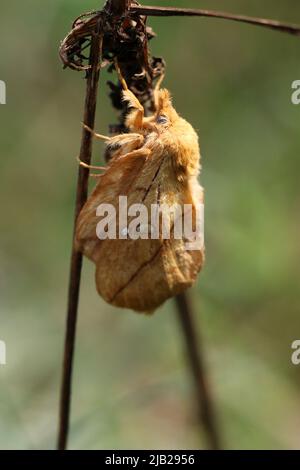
155 164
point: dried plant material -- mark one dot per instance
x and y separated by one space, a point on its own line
156 164
126 37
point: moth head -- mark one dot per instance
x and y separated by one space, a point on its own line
165 112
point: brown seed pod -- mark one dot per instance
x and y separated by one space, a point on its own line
156 165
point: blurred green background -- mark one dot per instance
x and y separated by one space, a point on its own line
132 388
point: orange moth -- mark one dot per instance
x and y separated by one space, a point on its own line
156 164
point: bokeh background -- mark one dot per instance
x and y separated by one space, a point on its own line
132 388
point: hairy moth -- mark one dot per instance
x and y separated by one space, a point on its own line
156 163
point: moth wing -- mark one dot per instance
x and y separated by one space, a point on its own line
138 273
119 177
152 271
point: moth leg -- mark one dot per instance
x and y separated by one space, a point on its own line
142 152
94 175
94 134
122 144
90 167
135 117
120 76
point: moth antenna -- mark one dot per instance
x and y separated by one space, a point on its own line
159 82
120 76
90 167
156 90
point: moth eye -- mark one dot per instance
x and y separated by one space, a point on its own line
162 120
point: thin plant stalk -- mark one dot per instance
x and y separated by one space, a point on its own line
263 22
205 407
93 75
